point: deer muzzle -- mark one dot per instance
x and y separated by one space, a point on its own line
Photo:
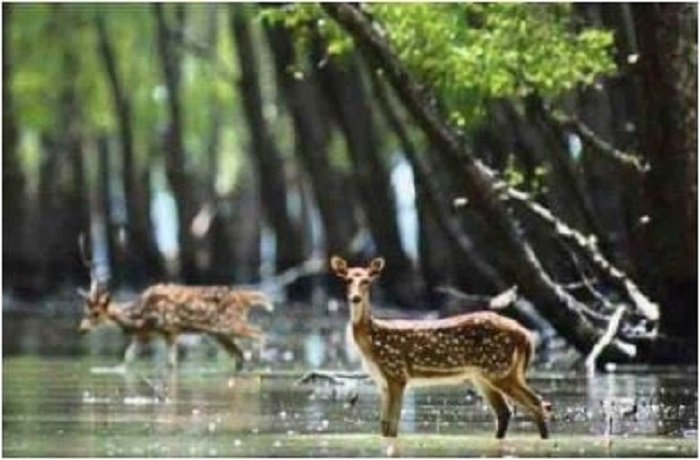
85 326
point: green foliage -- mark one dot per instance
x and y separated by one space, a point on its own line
53 48
515 177
307 20
471 54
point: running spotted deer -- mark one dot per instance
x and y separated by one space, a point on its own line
491 351
167 310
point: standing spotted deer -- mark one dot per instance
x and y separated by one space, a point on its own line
168 310
489 350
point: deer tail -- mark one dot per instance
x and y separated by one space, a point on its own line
527 351
259 298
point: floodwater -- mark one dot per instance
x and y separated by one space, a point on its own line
56 405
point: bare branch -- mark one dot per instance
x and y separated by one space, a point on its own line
497 302
474 299
289 276
333 377
605 340
588 247
504 299
587 283
563 121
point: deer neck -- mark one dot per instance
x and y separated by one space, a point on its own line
118 313
360 313
360 321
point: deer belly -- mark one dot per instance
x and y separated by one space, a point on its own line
422 377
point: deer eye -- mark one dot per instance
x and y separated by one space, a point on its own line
364 282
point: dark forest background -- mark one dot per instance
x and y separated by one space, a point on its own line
475 147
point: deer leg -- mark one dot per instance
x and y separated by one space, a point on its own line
231 348
131 351
498 405
523 395
171 341
392 400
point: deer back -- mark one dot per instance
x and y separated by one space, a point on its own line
484 342
194 308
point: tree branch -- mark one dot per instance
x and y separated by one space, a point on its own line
605 339
589 249
562 121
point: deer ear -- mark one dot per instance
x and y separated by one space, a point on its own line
83 293
339 266
376 266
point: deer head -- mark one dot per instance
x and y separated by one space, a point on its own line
358 281
97 299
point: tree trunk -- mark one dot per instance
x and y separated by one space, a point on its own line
140 258
47 217
13 211
346 91
601 175
560 308
303 99
218 244
269 164
624 91
103 204
74 215
666 34
246 230
174 148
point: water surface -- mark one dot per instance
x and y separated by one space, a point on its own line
78 407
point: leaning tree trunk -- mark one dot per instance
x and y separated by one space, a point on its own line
266 158
13 211
174 148
303 99
344 87
480 186
441 237
141 257
666 34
